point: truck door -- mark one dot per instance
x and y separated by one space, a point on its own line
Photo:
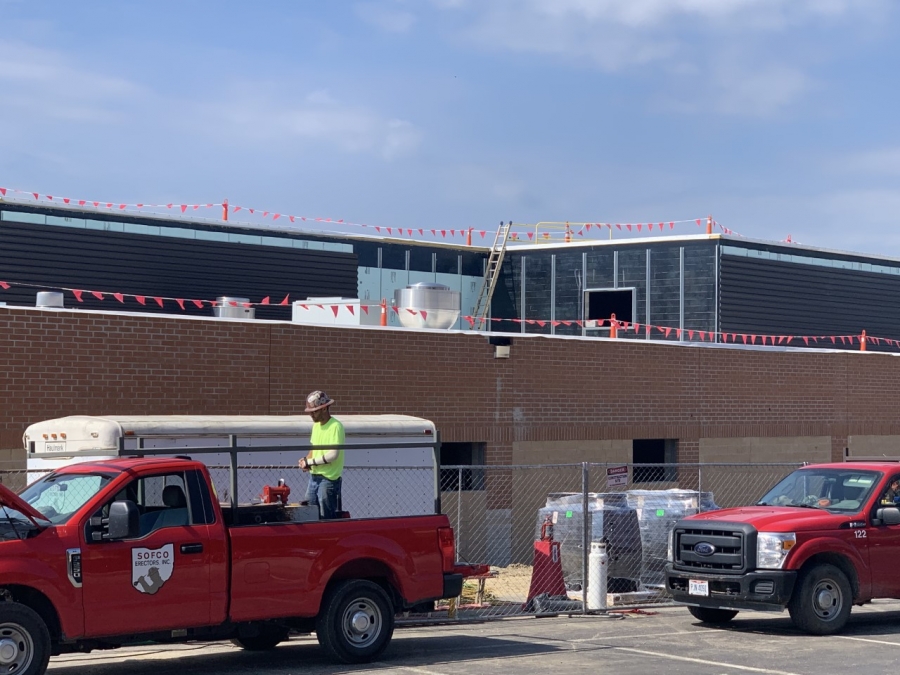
160 580
884 552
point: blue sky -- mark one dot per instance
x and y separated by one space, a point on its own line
778 117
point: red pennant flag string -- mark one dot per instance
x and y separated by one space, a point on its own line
180 302
3 191
97 294
350 309
396 309
364 308
334 309
159 301
77 295
265 301
141 299
285 301
119 297
4 285
198 304
424 314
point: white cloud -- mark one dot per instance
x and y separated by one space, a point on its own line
880 162
385 18
319 118
730 56
39 83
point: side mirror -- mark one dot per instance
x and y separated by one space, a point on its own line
888 515
125 523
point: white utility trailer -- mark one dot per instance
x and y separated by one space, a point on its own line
391 462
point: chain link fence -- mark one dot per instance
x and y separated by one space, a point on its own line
528 522
507 517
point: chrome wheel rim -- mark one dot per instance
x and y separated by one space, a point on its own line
827 599
361 622
16 648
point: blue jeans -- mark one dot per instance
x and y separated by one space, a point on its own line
324 493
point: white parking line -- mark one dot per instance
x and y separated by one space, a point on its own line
878 642
703 661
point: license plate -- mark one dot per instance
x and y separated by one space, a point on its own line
697 587
55 447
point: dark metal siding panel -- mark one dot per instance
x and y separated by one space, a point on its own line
782 298
151 265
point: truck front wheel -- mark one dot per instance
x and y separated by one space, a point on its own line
821 601
356 622
24 640
712 615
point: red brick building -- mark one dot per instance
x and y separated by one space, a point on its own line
554 399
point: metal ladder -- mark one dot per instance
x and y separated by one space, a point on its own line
491 274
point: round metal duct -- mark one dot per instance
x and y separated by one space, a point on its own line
427 305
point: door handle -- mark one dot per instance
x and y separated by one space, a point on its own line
187 549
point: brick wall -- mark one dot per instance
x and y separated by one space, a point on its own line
55 363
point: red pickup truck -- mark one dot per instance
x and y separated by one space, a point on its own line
824 538
101 554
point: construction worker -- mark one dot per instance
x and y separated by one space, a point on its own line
326 465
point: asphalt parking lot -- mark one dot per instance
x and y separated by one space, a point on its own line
668 640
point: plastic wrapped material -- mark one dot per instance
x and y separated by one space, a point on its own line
657 512
610 519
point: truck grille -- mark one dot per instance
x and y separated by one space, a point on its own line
723 551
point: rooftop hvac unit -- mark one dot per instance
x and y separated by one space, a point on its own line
228 307
427 305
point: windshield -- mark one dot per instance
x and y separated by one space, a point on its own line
58 496
836 490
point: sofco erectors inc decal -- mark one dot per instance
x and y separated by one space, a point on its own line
152 568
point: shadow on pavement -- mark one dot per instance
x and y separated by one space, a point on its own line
862 623
288 657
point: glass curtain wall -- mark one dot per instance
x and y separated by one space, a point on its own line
671 285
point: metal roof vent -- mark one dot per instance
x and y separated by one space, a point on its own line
228 307
49 299
430 305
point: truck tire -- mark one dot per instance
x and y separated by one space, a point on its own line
266 640
356 622
713 615
821 601
24 640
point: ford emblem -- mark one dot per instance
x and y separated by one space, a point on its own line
704 548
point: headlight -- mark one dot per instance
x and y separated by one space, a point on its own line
670 551
772 548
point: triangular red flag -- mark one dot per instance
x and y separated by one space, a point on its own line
198 303
122 207
4 285
628 225
180 302
81 202
119 297
36 195
667 331
541 323
690 334
77 295
444 233
285 301
482 233
265 301
350 309
233 303
3 191
334 309
452 233
276 217
390 231
305 306
639 226
672 226
421 232
698 222
424 314
97 294
183 208
678 333
744 336
618 226
364 308
471 322
141 299
637 326
555 323
396 309
159 301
